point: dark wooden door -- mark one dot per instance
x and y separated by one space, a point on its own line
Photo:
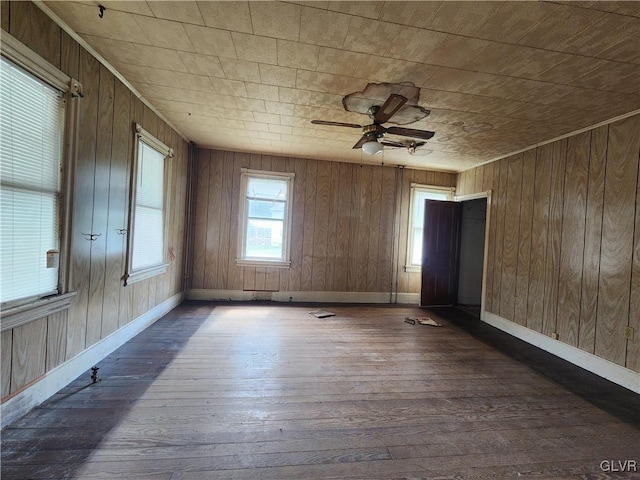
440 247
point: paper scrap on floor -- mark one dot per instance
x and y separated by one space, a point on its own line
322 313
425 321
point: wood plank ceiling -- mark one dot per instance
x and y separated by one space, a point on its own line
249 76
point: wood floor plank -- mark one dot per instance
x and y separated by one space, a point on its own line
248 391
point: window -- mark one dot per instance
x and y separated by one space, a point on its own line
265 213
420 193
148 224
31 148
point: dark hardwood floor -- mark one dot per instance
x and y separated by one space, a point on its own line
271 392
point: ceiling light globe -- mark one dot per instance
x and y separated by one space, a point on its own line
372 147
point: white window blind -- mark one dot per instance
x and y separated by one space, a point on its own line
148 228
31 133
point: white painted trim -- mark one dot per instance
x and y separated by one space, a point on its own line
307 296
472 196
59 377
604 368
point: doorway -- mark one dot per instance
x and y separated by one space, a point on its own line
453 254
472 238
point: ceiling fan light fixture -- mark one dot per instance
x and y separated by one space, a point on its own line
372 147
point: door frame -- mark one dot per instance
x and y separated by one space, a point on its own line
474 196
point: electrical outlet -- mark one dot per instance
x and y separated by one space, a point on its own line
554 335
628 333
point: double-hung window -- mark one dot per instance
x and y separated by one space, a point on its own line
265 218
34 108
420 193
148 222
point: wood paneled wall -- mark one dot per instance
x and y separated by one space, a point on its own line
101 190
564 243
349 225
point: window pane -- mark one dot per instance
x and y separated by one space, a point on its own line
150 177
417 221
264 239
148 238
267 188
266 209
31 130
416 254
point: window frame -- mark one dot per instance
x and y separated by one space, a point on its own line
241 259
21 311
415 189
131 274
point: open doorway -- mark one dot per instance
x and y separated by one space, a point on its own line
453 253
472 238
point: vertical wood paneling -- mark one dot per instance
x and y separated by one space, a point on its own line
215 212
342 264
69 55
593 238
511 233
236 274
385 243
633 345
332 232
479 179
524 237
104 135
572 240
489 179
226 200
83 203
552 264
32 27
29 353
4 17
542 188
616 253
200 217
321 227
297 222
117 215
6 354
306 278
56 339
373 261
500 179
362 238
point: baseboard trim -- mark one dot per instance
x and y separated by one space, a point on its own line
62 375
604 368
307 296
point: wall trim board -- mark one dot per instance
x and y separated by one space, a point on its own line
604 368
20 404
305 296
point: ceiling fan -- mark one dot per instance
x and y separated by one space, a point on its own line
372 134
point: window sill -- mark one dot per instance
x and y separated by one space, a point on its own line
144 274
262 263
412 269
17 316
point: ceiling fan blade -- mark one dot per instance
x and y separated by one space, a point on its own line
364 139
335 124
389 108
391 143
411 132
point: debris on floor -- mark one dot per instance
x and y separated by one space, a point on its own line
423 321
322 313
